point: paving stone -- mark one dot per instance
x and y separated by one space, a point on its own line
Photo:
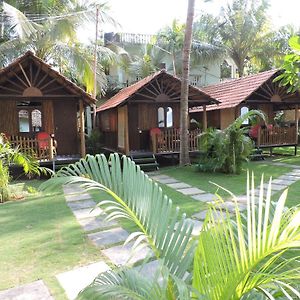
120 255
202 214
87 212
288 177
75 280
90 224
149 269
32 291
81 204
275 187
78 197
197 227
109 237
205 197
160 177
191 191
72 189
168 180
230 206
178 185
283 181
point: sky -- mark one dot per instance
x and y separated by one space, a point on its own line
148 16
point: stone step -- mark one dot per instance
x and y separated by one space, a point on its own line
77 279
78 197
75 205
124 255
207 197
190 191
87 213
90 224
108 237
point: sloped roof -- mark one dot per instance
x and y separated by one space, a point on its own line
231 93
68 84
123 95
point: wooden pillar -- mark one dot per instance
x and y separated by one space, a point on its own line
81 122
204 118
126 131
296 121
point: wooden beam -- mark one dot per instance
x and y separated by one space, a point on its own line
8 89
53 89
51 97
20 79
146 96
25 75
204 118
44 77
81 122
36 75
48 83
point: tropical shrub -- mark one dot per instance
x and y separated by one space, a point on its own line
249 256
8 156
226 150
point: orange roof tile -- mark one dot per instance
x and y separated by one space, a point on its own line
231 93
129 91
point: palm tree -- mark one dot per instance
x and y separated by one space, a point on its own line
184 98
236 258
55 40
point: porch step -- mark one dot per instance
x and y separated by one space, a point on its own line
146 160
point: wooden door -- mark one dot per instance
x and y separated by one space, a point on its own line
65 127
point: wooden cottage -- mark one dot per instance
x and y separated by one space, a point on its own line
146 116
257 91
41 110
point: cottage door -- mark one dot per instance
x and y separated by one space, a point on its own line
65 127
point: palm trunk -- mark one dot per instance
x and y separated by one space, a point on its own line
184 106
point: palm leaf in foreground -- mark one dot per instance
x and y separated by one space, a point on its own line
137 198
252 253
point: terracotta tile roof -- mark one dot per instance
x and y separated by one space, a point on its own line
231 93
129 91
68 84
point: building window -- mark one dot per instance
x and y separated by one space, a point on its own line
244 111
29 116
165 117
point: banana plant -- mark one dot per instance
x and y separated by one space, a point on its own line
249 256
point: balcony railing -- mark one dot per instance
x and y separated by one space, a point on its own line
168 140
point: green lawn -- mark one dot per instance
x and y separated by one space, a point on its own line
234 183
286 155
40 238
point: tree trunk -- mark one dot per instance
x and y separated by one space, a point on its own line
184 105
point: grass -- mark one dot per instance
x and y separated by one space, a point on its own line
234 183
40 238
286 155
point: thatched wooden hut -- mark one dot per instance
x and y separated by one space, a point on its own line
146 115
35 98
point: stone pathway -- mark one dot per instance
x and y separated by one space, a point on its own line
109 237
195 193
32 291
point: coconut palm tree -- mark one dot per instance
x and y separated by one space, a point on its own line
249 254
184 97
54 39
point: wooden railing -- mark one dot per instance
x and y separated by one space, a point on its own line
277 136
168 140
33 147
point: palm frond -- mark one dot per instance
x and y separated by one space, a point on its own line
236 256
139 199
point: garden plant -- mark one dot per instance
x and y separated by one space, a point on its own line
251 255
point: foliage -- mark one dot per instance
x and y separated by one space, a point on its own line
94 141
256 252
10 155
55 40
249 255
226 150
290 77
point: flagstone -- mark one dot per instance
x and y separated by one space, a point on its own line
205 197
77 197
275 187
160 177
90 224
124 255
190 191
178 185
81 204
202 214
87 212
77 279
72 189
283 181
109 237
148 269
167 180
32 291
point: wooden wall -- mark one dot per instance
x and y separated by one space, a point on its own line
227 116
8 117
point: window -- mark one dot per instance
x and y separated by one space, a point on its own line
29 116
245 110
165 117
